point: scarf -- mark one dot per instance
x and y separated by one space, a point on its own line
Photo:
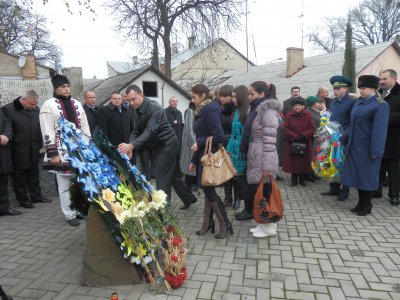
68 109
201 106
244 145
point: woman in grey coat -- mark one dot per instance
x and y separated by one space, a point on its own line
188 140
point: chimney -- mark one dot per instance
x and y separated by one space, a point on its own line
29 69
74 75
174 48
191 42
294 60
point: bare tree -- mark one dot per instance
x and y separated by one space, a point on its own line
372 22
153 22
328 36
22 32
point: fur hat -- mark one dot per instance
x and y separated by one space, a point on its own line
58 80
368 81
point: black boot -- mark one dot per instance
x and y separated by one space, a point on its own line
366 204
3 295
228 193
207 225
294 179
302 180
223 231
239 187
225 215
358 207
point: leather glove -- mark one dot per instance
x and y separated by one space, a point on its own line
302 138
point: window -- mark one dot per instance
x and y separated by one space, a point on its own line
150 88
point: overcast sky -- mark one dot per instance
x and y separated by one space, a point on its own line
273 26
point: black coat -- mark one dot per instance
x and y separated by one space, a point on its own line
151 128
392 146
91 115
174 117
27 136
118 126
227 117
5 151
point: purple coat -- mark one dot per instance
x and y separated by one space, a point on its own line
295 125
262 155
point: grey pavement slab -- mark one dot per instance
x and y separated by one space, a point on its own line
322 251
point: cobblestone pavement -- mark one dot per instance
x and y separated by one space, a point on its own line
322 251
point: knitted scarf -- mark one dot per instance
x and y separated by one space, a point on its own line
201 106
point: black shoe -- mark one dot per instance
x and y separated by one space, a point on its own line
236 204
364 213
73 222
330 193
186 205
355 209
41 200
242 212
377 194
80 216
395 201
293 183
303 183
246 216
10 212
342 198
27 205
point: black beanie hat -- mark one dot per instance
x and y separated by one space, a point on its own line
297 100
368 81
59 80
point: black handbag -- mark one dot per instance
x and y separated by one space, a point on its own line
298 148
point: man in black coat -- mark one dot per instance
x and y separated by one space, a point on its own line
23 115
91 109
323 94
153 131
115 120
174 117
390 91
287 104
5 166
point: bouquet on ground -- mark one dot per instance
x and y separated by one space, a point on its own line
327 156
137 214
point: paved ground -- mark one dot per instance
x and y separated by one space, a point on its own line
322 251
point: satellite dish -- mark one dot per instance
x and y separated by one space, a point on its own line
21 61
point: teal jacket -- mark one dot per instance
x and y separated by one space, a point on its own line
238 160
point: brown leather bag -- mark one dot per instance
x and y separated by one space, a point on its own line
268 206
217 167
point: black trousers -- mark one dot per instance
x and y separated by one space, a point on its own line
392 167
251 190
26 182
168 174
4 202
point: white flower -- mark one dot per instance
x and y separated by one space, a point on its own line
159 196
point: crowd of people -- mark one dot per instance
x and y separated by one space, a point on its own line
258 130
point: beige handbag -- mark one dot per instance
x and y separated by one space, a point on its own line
217 167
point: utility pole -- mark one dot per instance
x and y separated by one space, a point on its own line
247 41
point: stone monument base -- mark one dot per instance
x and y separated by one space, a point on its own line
104 264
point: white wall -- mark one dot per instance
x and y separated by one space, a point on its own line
165 90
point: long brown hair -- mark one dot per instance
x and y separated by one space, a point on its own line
200 89
242 100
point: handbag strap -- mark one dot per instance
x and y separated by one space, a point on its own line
208 145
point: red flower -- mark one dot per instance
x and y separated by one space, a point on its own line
322 157
335 160
176 241
176 281
335 144
174 258
170 228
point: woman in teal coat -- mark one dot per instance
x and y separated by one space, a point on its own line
240 95
365 143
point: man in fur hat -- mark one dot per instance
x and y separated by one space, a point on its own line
61 105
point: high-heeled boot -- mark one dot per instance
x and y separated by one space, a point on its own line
225 216
228 200
366 203
223 232
206 219
302 179
358 207
294 179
